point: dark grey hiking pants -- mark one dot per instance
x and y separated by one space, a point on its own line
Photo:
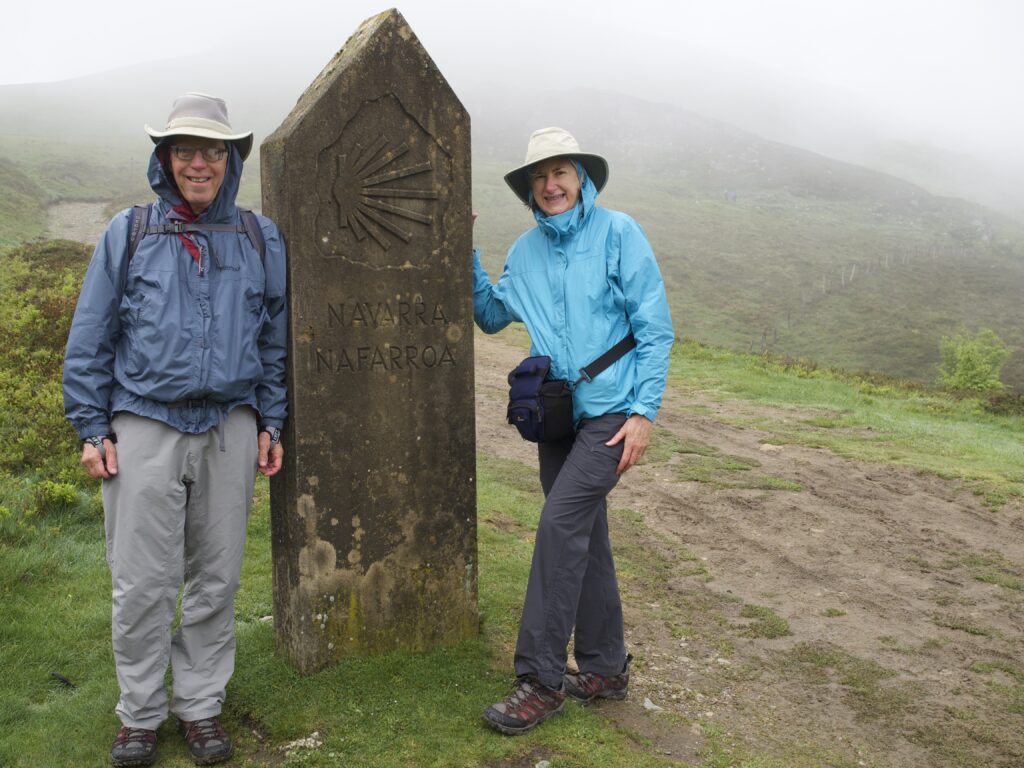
572 579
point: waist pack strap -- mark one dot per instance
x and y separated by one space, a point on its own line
605 360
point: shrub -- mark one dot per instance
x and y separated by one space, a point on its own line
39 286
972 363
1005 403
54 497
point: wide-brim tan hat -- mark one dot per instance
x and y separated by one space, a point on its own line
546 143
199 114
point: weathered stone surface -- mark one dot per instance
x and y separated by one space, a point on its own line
374 511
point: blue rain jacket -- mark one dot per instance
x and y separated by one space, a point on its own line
163 329
581 281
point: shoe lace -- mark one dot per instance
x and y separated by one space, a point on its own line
128 735
527 696
590 681
204 731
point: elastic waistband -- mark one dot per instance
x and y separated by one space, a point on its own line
202 402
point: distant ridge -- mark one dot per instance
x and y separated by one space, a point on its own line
764 246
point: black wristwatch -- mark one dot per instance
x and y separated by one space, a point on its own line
275 434
97 440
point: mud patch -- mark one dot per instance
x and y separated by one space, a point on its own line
784 601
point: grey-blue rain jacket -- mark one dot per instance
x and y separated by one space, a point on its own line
162 329
581 281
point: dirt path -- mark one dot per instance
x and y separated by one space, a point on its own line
816 609
80 221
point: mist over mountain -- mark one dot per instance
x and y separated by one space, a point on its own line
798 111
764 245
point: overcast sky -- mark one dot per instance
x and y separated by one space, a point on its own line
950 72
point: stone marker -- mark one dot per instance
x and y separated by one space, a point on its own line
374 511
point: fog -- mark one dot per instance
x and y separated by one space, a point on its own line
855 79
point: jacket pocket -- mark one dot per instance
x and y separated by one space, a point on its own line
157 344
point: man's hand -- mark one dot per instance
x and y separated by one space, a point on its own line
269 461
637 434
100 465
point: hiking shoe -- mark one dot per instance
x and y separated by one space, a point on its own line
208 742
530 704
587 686
133 746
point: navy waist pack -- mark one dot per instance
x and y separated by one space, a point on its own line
541 408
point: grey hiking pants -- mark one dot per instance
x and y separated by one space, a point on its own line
176 514
572 578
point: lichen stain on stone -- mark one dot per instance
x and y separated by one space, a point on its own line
454 332
317 559
402 601
305 336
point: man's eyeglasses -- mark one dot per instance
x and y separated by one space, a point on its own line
210 154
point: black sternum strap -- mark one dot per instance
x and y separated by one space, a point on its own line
178 227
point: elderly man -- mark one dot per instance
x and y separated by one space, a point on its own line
174 381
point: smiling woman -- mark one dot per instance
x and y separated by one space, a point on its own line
555 185
586 284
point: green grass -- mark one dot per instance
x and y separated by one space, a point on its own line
766 624
398 709
887 423
866 683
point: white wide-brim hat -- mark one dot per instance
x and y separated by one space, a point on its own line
546 143
199 114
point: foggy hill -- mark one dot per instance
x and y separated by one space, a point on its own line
770 247
763 245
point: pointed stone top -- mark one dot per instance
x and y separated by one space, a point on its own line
382 55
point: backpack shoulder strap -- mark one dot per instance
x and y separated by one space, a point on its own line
255 234
140 228
137 229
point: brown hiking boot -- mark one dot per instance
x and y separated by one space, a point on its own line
132 747
208 742
587 686
530 705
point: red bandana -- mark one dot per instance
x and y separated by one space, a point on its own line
187 214
184 210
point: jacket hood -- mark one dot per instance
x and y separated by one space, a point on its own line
568 223
162 182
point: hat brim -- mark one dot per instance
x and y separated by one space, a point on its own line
596 167
242 141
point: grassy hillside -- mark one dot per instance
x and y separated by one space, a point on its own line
22 205
36 172
765 247
770 248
